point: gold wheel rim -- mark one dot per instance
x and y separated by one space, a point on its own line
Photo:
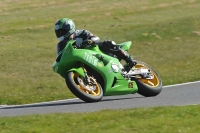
150 82
82 86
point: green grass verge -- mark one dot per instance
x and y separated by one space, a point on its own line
143 120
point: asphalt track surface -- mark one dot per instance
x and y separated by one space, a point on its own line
174 95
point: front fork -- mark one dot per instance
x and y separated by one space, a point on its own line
87 79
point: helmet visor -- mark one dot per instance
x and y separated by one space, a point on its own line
60 32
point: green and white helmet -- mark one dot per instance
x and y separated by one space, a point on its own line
64 27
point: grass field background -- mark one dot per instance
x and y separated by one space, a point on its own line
165 34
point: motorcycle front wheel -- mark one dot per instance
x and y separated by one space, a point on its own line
87 90
148 87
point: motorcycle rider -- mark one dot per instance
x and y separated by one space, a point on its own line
65 31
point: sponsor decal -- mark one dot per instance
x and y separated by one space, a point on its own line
91 59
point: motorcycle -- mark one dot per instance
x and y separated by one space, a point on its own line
90 74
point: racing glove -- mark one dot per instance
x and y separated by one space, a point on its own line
87 43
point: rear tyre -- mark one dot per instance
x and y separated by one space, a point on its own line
148 87
88 92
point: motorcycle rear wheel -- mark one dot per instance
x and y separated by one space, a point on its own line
148 87
88 92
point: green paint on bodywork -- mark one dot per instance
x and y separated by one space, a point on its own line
114 82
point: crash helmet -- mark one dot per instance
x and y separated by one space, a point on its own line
64 28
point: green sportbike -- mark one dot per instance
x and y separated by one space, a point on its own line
91 74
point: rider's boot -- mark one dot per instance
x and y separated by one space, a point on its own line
130 63
129 60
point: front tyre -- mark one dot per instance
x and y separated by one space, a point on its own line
86 91
148 87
